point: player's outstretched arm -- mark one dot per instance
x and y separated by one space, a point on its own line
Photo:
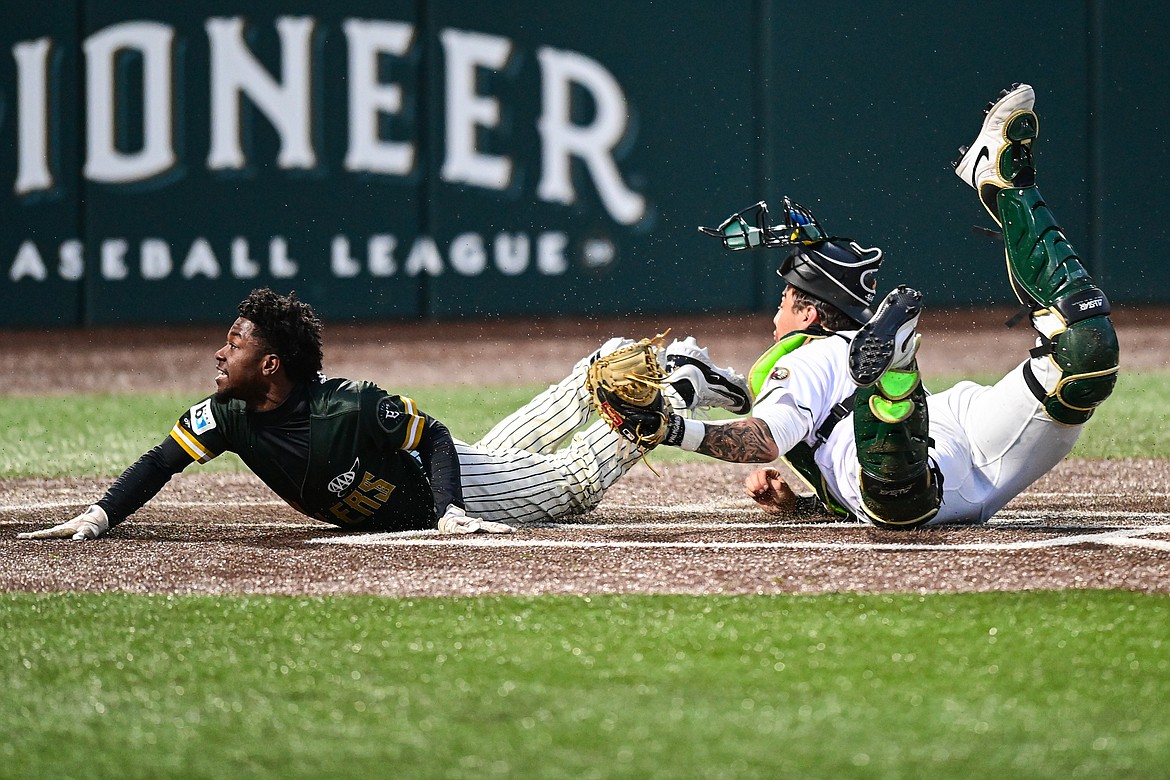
137 485
90 524
739 441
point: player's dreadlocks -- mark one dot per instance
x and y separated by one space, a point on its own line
831 318
290 328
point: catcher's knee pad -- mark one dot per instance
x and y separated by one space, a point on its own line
1086 354
899 488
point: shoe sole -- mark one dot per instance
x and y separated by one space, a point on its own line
873 348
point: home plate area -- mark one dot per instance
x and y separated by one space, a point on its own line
692 530
702 507
1010 530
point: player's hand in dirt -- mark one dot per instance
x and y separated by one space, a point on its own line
456 521
768 489
90 524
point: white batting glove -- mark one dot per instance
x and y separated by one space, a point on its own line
456 521
90 524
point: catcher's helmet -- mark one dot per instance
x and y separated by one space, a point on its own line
835 270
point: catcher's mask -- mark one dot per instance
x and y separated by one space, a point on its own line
833 269
800 226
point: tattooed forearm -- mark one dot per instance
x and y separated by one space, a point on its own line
741 441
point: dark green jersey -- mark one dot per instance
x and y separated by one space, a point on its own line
340 451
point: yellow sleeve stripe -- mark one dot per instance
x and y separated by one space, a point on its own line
197 451
414 426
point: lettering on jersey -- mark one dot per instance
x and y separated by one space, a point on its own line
362 502
202 419
341 482
780 373
387 410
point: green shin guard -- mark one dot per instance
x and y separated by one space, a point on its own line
1068 309
899 489
1043 267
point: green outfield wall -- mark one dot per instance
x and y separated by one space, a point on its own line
404 160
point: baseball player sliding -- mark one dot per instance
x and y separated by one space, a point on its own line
839 394
350 454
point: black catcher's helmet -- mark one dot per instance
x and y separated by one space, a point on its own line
836 270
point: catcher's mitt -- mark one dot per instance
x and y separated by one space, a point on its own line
626 386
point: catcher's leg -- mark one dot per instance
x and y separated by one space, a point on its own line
1008 439
1069 311
516 486
900 488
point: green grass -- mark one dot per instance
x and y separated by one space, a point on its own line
1035 684
102 434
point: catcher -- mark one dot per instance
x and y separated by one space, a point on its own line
839 395
350 454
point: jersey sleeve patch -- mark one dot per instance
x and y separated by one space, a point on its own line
399 415
202 420
192 427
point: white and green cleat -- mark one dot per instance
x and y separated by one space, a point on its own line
1002 152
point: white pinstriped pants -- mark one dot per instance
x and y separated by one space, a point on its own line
520 473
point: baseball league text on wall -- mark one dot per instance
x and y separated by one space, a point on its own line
380 255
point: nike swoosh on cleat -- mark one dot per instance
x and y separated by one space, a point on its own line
715 379
983 153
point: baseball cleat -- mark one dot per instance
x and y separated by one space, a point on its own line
1002 151
702 384
889 339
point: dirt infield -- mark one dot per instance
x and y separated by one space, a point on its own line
1086 525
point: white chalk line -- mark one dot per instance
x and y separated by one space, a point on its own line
1150 544
750 507
1043 494
1017 515
1124 537
1005 520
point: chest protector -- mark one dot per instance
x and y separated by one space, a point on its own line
801 457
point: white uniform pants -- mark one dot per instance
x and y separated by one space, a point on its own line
993 442
519 472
